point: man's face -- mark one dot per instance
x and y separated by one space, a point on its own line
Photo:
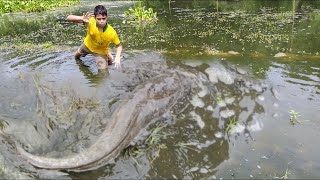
101 20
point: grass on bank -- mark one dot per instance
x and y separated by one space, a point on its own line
10 6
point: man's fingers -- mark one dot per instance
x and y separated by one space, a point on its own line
89 14
118 65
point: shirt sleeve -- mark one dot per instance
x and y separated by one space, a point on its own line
91 22
116 39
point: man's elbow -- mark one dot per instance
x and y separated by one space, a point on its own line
119 47
69 18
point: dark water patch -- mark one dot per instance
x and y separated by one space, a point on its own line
29 60
39 62
304 74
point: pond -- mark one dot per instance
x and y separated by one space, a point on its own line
255 113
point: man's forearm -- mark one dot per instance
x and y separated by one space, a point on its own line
74 18
119 51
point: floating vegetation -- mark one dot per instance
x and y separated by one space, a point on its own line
9 6
294 117
216 33
223 33
140 15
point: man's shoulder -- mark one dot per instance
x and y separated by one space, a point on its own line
92 20
111 29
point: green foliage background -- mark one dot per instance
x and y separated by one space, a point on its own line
9 6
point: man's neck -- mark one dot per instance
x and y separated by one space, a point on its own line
102 29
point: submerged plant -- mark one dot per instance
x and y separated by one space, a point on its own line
219 99
183 145
151 145
59 106
231 124
294 117
156 135
1 125
286 174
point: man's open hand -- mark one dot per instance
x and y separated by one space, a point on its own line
116 62
86 16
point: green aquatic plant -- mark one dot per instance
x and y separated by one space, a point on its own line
286 174
152 144
232 123
1 125
294 117
79 103
9 6
183 146
218 98
140 15
156 135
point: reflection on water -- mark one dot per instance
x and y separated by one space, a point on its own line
236 126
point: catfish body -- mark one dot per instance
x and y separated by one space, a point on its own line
149 101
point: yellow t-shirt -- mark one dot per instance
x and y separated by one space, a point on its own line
98 42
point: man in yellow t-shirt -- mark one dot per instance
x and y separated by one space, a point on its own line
99 36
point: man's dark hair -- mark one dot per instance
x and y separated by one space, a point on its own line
100 10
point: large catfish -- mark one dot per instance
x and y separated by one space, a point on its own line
149 101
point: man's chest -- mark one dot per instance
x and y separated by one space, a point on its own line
101 37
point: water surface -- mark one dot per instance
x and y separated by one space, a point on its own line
237 125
